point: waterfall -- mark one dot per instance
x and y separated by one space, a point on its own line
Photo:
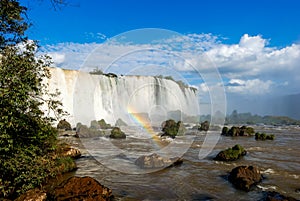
88 97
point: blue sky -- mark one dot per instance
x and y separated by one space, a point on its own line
277 20
255 45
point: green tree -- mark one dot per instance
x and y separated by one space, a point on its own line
26 134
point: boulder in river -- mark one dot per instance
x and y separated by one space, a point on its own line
263 136
64 125
231 154
116 133
156 161
81 188
244 177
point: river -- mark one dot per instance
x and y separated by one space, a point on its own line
195 179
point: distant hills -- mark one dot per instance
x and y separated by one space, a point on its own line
248 118
287 105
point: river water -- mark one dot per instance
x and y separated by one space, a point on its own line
111 163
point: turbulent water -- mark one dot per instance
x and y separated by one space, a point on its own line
198 179
89 97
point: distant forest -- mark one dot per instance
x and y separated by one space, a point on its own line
248 118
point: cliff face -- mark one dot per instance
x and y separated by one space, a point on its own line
89 97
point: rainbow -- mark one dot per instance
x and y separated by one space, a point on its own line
144 122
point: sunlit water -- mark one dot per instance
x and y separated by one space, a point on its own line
195 179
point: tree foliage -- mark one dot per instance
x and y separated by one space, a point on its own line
26 134
12 23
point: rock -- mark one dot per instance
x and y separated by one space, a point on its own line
204 126
120 122
246 131
67 133
33 195
231 154
263 136
81 188
95 125
84 131
104 125
116 133
71 152
64 125
244 177
225 130
112 75
172 129
156 161
237 131
274 196
234 131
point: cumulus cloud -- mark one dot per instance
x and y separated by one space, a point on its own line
254 86
248 67
57 58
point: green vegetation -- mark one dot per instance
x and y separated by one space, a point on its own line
172 129
204 126
28 142
238 131
263 136
104 125
116 133
231 154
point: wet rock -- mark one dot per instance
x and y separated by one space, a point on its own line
231 154
33 195
275 196
238 131
67 133
204 126
263 136
64 125
104 125
225 130
71 152
85 132
156 161
120 122
81 188
116 133
244 177
172 129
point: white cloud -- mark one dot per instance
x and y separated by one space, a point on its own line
57 58
254 86
253 43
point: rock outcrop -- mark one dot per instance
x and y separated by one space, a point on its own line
172 128
81 188
156 161
263 136
238 131
85 132
116 133
33 195
245 177
231 154
64 125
